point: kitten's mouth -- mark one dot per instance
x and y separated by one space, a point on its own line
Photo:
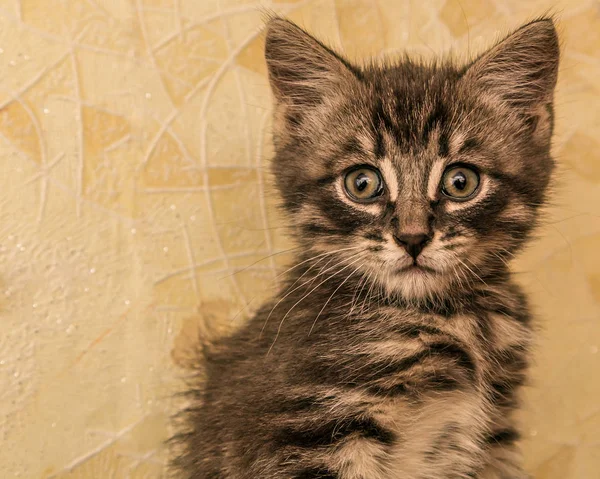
416 268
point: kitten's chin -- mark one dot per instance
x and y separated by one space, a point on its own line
417 283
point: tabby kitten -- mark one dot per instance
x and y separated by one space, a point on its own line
397 345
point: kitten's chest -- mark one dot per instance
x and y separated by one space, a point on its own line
450 399
442 437
487 341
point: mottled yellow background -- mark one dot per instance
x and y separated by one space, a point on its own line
135 204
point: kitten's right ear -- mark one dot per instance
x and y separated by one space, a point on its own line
302 70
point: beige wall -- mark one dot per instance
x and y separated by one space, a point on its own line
133 138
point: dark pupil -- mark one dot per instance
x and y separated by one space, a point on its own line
459 181
361 182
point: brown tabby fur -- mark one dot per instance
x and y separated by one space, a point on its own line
364 367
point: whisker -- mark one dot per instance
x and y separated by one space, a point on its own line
303 298
460 275
290 291
322 256
364 280
506 263
473 272
258 261
367 298
332 294
315 257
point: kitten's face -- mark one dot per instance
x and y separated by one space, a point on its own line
419 178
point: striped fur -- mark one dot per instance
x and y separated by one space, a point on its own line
370 364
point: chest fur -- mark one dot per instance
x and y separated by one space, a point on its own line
452 379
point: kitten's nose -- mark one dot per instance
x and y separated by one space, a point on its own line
412 243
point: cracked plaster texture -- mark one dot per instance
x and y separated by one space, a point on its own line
135 206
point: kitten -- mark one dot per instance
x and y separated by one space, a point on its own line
397 345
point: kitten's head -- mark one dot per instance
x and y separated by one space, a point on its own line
423 176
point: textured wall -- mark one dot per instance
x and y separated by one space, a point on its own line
133 138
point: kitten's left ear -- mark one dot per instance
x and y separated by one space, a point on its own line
521 70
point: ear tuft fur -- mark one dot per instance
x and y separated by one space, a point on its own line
522 69
301 69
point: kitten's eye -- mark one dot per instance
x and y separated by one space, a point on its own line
363 184
460 182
